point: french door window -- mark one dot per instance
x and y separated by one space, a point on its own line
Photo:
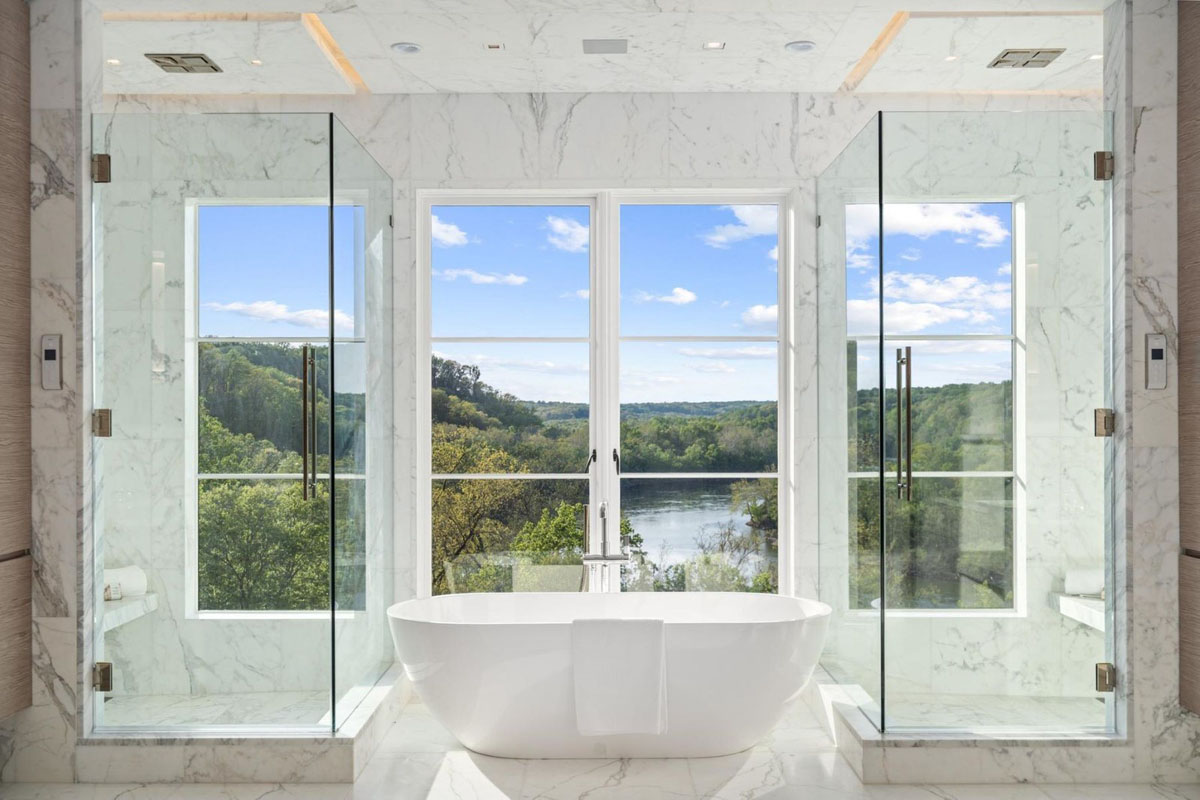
605 372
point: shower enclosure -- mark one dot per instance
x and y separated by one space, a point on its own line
242 458
963 352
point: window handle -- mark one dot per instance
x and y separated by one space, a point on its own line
617 460
591 460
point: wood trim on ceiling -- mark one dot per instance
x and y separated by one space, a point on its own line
896 24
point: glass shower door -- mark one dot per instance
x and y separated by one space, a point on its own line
360 474
212 352
992 286
851 410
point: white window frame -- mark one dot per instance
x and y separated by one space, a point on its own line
1017 340
192 342
604 341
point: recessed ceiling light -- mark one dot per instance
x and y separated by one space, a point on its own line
713 45
113 62
800 46
950 58
1095 56
406 47
495 46
256 62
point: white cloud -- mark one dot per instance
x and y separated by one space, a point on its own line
773 253
718 353
921 220
271 311
915 302
716 367
751 221
965 291
911 254
447 234
761 315
579 294
1005 269
902 317
482 277
678 297
567 234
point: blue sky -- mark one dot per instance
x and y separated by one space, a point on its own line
947 271
694 270
263 270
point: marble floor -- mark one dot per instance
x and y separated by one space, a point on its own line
419 760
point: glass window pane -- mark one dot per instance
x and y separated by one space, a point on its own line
511 270
951 546
505 408
350 545
701 534
508 535
699 407
250 408
261 546
263 270
947 268
962 405
699 270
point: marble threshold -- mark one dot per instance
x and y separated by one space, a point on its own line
985 753
418 759
230 754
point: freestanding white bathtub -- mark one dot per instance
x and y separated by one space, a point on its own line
496 670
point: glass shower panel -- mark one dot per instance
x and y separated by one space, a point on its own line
850 412
212 351
361 421
993 288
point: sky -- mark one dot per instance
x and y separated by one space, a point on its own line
264 270
686 270
693 270
947 270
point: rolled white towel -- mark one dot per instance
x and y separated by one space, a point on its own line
124 582
1084 581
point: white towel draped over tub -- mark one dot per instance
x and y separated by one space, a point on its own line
620 676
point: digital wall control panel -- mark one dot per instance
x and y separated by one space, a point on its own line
1156 361
52 361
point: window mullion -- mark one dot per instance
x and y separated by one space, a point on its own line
606 369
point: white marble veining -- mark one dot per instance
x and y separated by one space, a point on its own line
418 760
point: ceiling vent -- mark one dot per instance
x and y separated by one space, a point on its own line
605 47
195 63
1025 59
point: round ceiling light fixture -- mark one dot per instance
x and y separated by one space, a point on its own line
113 62
800 46
407 48
950 58
256 62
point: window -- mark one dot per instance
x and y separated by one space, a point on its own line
947 293
259 335
568 374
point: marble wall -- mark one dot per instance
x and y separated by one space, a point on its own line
552 141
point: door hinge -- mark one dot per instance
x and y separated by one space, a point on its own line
1106 677
102 422
101 168
102 676
1106 422
1102 165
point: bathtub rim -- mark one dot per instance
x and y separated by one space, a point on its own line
807 609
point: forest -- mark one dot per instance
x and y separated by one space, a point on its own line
263 546
501 535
